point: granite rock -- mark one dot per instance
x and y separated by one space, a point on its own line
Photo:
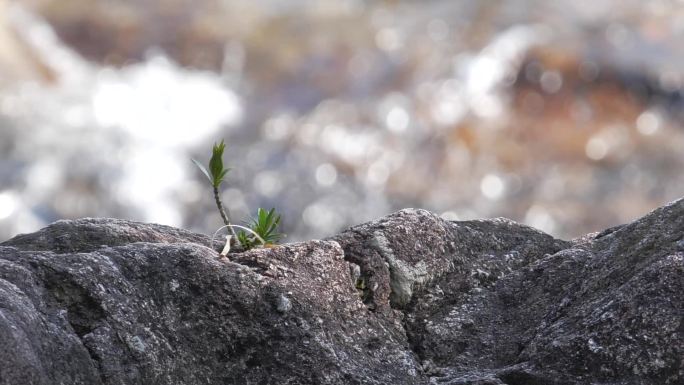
407 299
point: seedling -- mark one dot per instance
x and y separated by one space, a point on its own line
216 174
226 247
263 228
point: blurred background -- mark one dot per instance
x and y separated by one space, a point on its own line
565 115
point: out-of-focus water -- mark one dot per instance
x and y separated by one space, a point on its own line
563 115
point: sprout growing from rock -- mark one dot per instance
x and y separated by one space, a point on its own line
263 228
216 174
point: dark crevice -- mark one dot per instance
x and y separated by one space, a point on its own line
524 377
83 312
97 362
363 282
362 285
414 340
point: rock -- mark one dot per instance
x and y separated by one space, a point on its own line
114 302
407 299
406 251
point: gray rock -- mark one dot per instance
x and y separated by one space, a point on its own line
407 299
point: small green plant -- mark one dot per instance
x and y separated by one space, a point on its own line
261 230
265 225
216 174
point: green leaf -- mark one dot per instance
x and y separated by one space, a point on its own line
203 169
216 163
245 240
223 173
266 225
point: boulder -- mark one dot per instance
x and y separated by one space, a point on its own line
406 299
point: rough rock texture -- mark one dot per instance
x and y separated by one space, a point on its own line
407 299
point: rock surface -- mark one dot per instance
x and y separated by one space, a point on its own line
407 299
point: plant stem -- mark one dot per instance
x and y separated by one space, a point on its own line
224 215
257 236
